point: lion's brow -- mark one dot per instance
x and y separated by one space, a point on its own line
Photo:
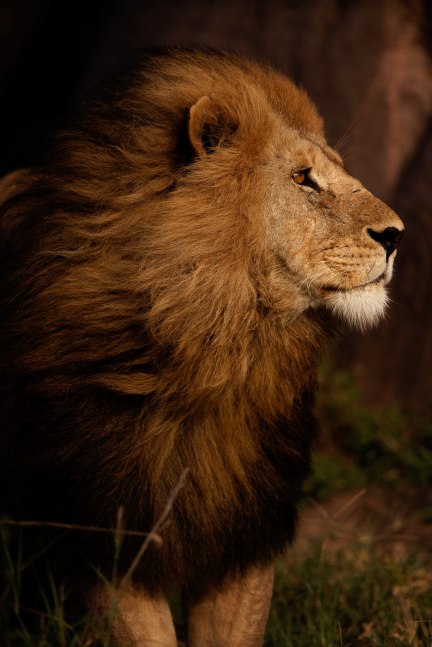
332 155
329 152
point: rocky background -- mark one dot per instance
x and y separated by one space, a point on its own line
366 63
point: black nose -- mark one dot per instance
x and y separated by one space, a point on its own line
389 238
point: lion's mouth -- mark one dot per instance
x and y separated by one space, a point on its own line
378 279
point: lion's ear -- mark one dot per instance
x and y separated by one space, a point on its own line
211 124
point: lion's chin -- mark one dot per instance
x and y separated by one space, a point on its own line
361 308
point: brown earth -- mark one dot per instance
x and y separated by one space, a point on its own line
370 516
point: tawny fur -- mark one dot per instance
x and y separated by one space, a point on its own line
153 322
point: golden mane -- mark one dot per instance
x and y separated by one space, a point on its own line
142 335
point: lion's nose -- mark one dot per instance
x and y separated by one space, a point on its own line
389 238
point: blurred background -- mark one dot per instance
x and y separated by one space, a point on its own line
367 65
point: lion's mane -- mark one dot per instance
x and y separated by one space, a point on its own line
141 334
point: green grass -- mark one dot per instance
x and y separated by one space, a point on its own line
21 625
323 598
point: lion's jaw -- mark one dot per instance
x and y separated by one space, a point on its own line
361 307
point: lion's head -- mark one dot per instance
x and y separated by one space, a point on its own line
328 240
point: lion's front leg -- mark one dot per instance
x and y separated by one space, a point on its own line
132 618
234 615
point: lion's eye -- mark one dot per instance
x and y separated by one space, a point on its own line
299 177
303 178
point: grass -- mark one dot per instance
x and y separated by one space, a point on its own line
358 596
359 599
20 625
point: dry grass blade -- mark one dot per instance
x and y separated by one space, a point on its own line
153 534
70 526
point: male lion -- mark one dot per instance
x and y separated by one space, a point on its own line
161 280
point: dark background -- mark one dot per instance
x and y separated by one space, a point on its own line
366 63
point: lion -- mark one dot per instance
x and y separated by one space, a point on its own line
164 275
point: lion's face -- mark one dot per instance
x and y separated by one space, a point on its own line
332 239
328 242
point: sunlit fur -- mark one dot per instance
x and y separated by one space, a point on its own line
361 308
158 314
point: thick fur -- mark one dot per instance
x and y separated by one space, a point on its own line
155 317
